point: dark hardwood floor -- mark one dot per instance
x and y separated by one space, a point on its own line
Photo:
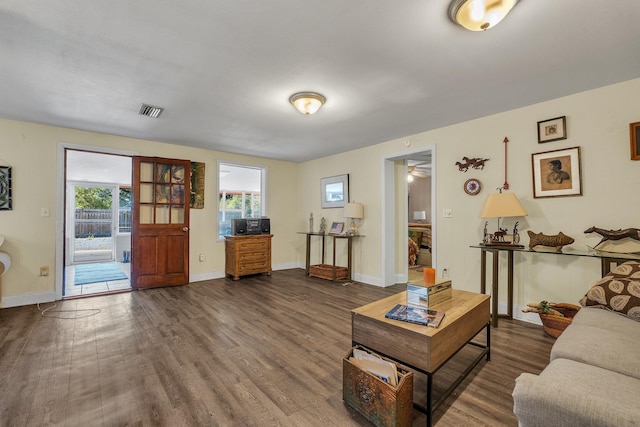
263 351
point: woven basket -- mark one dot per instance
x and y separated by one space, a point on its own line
555 325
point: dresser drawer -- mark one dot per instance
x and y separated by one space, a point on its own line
253 245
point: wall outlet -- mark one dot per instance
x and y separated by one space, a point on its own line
44 271
201 257
445 273
447 213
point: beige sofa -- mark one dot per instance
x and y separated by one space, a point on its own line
593 378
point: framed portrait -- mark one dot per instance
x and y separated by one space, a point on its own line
552 129
557 173
334 191
634 133
6 199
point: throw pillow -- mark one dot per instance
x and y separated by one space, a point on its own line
618 291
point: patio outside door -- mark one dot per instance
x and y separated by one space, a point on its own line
160 244
93 210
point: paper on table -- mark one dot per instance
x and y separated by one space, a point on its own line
387 371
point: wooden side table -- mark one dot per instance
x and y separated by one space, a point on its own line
333 267
247 255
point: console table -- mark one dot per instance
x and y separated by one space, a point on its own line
607 259
348 237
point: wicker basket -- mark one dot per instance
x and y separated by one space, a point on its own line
555 325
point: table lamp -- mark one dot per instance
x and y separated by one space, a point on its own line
353 211
502 205
420 216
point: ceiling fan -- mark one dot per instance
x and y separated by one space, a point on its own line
419 172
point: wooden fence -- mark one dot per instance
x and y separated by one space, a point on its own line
97 222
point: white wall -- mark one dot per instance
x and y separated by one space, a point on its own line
31 150
597 121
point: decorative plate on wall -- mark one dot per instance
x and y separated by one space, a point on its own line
472 186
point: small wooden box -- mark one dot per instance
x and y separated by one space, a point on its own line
325 271
381 403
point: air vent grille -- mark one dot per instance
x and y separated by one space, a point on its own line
150 110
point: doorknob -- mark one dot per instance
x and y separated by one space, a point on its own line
185 228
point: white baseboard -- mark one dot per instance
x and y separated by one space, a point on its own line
28 299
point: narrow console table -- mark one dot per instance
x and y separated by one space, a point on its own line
607 259
348 237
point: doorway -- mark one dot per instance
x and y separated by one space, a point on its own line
409 182
97 232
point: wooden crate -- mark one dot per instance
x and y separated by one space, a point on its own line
381 403
325 271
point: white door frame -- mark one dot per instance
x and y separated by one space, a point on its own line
391 214
60 202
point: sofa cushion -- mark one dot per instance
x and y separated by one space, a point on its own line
613 345
570 393
416 236
618 291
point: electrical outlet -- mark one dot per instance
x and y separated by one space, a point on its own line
44 271
445 273
447 213
201 257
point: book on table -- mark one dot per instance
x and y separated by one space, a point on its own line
418 315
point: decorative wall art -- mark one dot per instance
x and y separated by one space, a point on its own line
197 185
557 173
334 191
552 129
6 199
472 186
475 163
634 132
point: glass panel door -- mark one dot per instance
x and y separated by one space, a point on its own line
93 222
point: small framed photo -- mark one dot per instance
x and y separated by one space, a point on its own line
634 132
552 129
557 173
334 191
336 228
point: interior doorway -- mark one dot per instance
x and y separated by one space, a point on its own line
98 223
409 181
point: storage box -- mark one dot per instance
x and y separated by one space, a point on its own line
325 271
381 403
432 294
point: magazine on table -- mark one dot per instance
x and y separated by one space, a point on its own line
418 315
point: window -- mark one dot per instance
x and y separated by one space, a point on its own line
125 197
241 194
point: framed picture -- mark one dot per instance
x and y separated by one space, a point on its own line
552 129
634 132
336 228
335 191
6 200
557 173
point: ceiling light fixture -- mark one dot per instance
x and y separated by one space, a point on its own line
307 102
480 15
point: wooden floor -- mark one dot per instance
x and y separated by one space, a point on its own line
263 351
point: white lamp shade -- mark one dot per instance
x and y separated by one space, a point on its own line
502 205
354 210
420 215
5 262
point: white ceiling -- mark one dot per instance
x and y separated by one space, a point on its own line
224 70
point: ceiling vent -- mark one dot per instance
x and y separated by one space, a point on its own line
150 110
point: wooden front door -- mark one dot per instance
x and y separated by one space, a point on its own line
160 243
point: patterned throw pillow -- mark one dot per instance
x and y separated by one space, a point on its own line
416 236
618 291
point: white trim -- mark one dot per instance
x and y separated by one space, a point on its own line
31 298
60 220
388 210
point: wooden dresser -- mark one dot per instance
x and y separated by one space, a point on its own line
247 255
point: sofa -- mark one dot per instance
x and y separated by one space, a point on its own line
419 244
593 378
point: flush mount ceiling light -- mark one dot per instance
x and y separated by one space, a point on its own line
307 102
480 15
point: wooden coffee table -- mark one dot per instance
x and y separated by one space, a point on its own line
422 348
